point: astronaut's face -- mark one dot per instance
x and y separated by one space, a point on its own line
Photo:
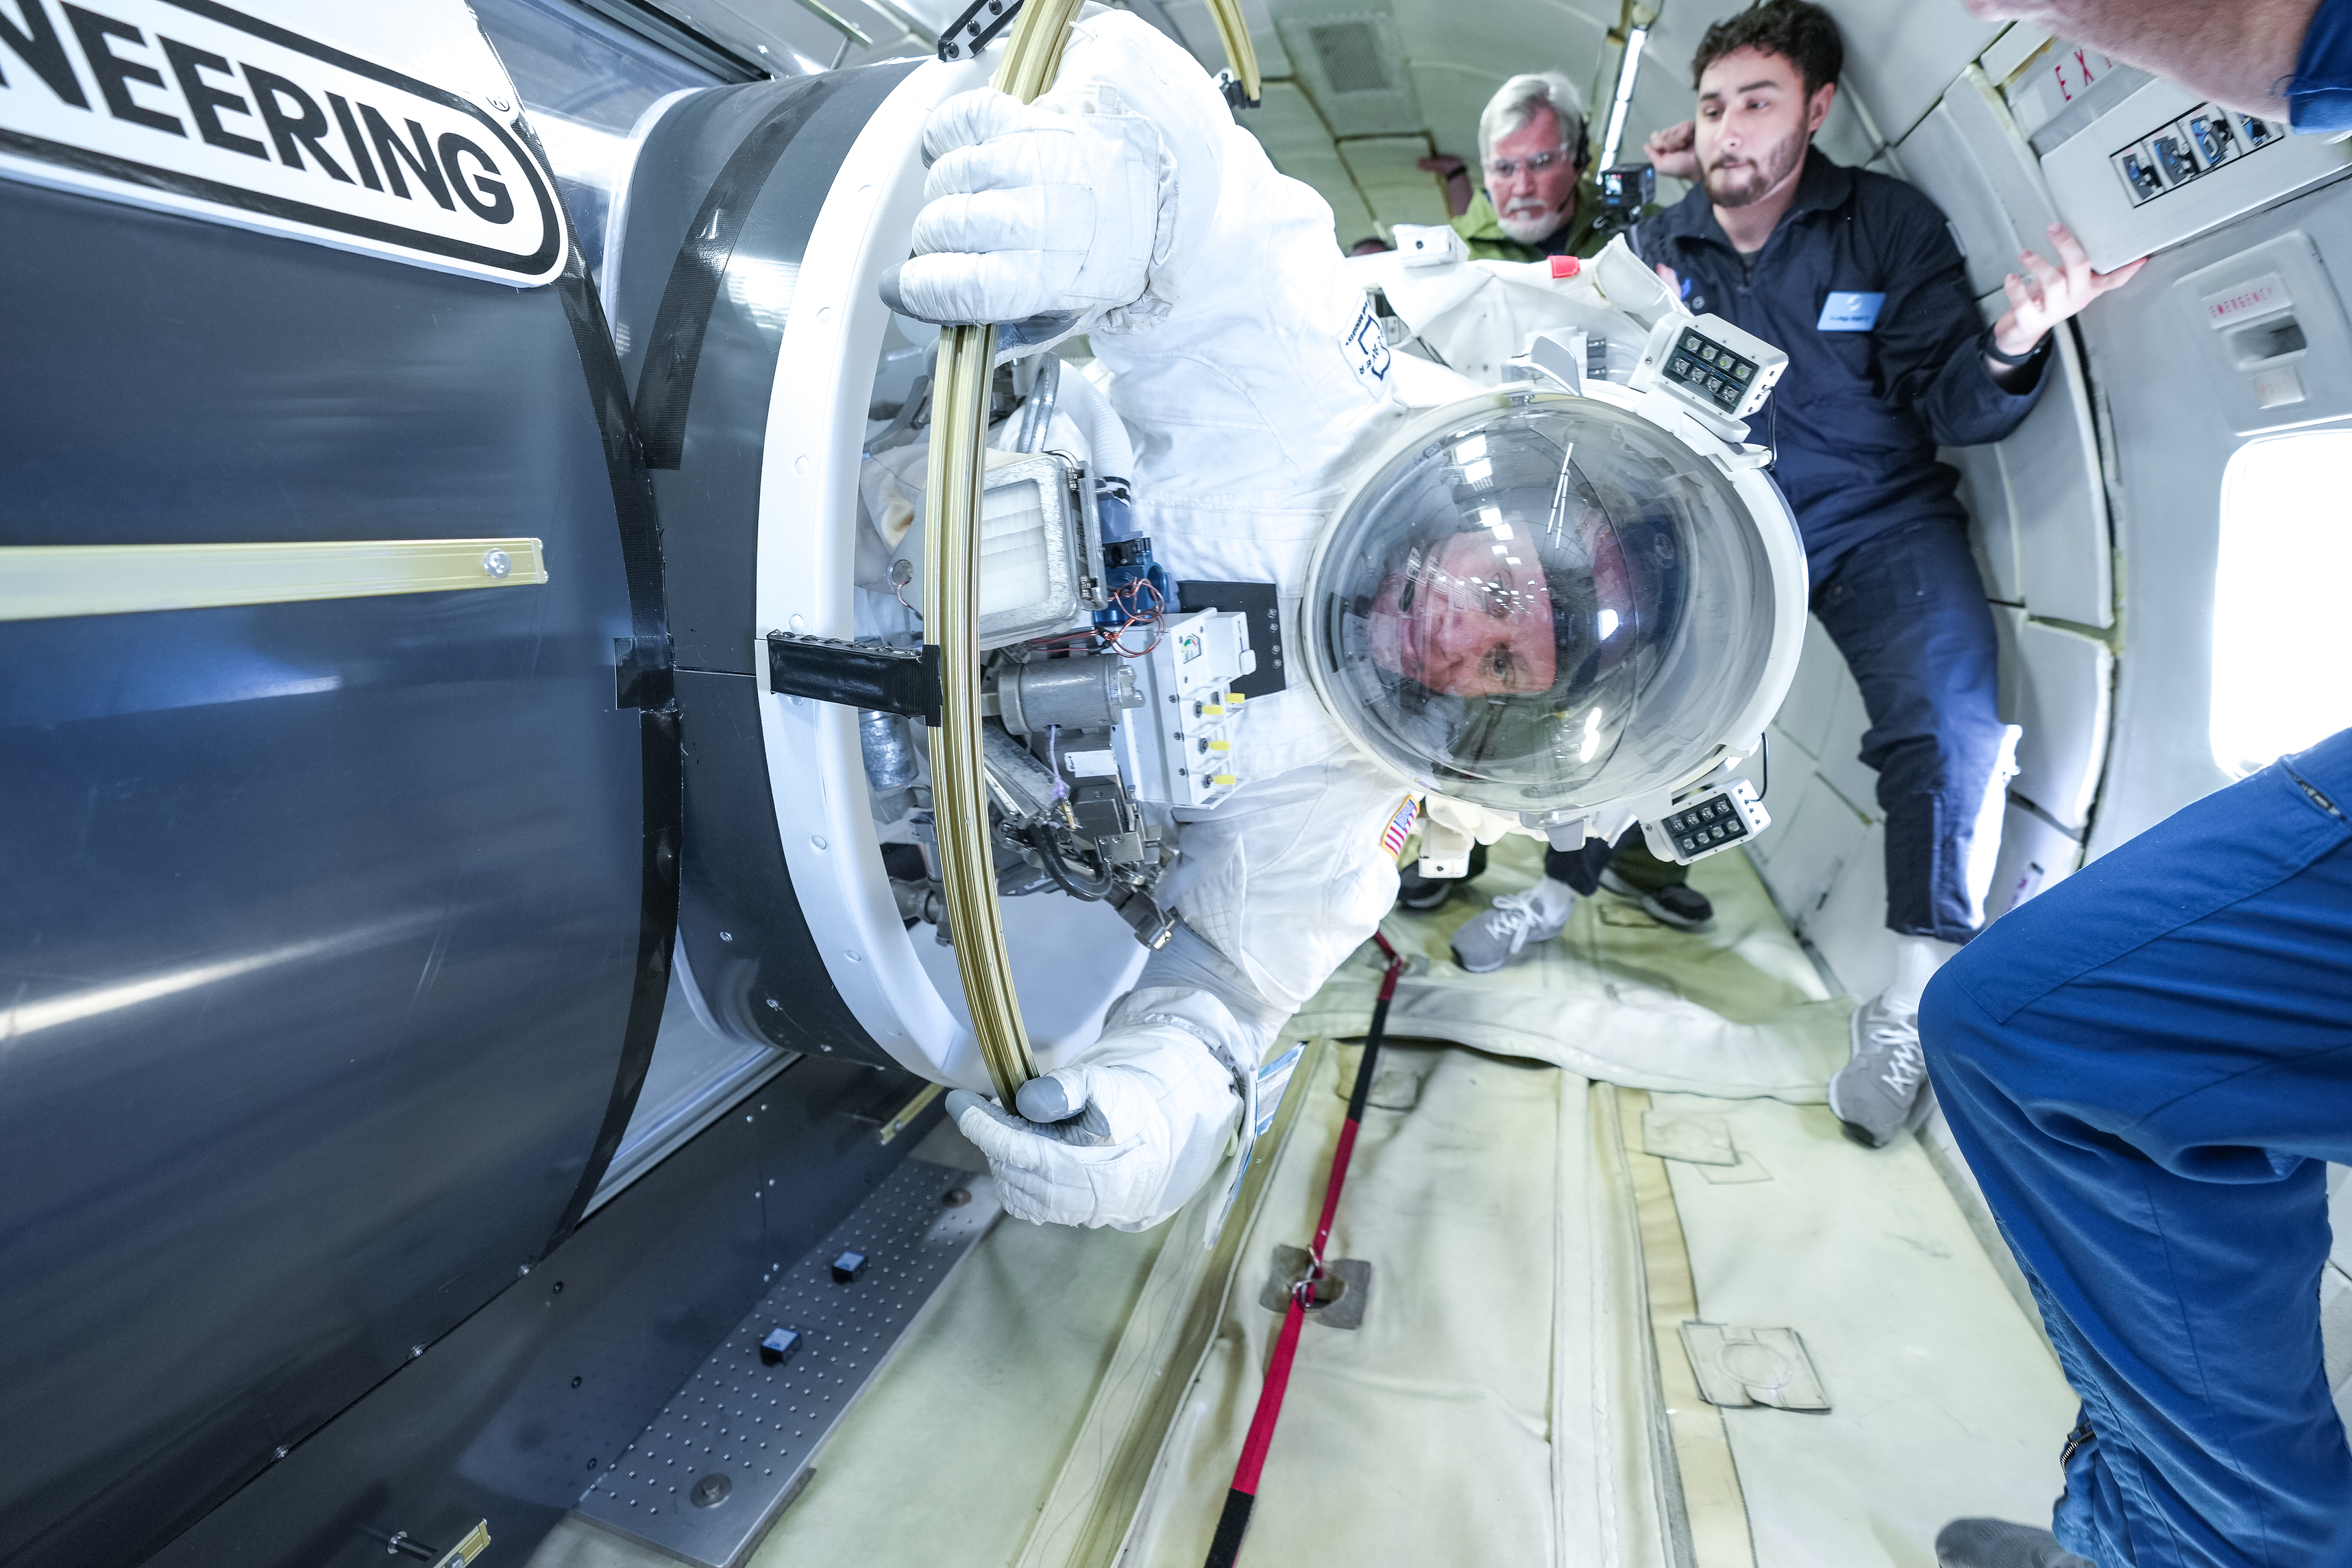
1468 616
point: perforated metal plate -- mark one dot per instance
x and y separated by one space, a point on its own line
707 1475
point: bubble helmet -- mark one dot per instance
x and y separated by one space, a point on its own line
1541 603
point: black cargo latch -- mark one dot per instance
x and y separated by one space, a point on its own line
856 674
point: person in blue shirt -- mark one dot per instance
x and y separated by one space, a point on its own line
1855 275
2147 1065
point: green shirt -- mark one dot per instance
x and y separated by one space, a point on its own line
1482 231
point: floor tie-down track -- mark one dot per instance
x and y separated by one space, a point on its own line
709 1474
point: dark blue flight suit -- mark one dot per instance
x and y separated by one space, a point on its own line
2146 1067
1863 286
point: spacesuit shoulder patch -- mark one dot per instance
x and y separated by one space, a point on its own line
1400 828
1365 346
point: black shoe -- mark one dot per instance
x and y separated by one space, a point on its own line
1997 1544
1421 894
1677 904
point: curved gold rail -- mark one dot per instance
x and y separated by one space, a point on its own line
950 593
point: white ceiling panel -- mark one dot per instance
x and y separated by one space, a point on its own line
1388 171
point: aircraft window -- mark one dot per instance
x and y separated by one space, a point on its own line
2282 643
583 82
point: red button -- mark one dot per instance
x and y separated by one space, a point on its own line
1566 265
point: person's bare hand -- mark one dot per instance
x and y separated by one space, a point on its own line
2049 295
1671 151
1672 278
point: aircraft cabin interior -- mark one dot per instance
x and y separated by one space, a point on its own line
520 820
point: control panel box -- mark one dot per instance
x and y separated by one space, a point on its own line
1717 820
1710 366
1180 747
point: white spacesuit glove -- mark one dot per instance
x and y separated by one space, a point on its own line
1122 1137
1037 216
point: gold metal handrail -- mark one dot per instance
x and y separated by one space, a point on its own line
1032 56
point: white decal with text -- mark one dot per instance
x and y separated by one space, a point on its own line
191 106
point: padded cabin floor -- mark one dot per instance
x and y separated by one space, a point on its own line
1517 1391
1737 1009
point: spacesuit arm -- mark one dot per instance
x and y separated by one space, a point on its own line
1078 211
1281 888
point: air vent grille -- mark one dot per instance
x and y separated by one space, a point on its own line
1350 56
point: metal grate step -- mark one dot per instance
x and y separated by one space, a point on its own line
709 1474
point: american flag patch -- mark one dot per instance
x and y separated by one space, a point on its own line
1400 828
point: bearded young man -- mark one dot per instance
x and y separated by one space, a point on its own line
1857 275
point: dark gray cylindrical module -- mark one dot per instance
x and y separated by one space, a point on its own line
1087 691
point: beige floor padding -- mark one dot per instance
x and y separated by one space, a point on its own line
1077 1399
1736 1010
1945 1399
1456 1425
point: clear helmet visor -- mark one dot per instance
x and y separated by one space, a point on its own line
1540 602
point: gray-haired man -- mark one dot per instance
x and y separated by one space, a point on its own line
1532 149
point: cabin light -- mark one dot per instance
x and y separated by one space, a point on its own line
1608 625
1592 736
1619 106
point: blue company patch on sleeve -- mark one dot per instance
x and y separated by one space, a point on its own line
1850 312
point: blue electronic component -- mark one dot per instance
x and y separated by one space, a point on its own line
1139 587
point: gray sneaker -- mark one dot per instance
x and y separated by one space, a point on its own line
1500 930
1878 1092
1997 1544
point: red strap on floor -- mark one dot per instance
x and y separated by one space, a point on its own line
1233 1522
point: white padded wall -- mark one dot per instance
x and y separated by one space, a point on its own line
2058 686
1992 520
1824 857
1937 158
1901 57
2065 558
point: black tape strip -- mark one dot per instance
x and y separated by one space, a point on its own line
649 671
674 348
1232 1525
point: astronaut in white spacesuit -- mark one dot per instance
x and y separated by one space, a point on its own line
1481 618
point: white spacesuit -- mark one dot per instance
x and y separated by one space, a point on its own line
1487 624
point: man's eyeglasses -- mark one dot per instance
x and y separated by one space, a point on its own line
1505 168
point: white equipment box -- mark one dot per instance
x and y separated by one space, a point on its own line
1178 749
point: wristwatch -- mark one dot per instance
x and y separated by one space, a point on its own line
1992 351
